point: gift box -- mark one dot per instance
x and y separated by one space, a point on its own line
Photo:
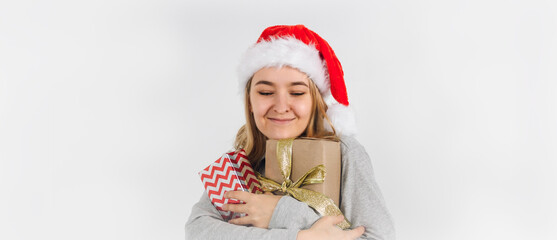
306 154
231 172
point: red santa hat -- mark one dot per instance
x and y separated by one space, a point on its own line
300 48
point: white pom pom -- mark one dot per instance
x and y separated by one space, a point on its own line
342 118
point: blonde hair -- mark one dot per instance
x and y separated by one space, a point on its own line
253 141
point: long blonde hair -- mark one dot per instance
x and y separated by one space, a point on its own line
253 141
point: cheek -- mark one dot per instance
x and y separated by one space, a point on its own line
258 106
303 108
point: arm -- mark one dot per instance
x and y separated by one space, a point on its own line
206 223
293 214
361 199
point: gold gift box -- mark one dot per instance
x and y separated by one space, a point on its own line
306 154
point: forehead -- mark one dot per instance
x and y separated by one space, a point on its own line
280 75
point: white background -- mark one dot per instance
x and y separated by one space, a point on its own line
108 109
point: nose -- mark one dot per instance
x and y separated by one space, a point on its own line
282 104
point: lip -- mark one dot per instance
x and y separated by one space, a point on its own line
281 121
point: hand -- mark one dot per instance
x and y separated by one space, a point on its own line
258 207
325 228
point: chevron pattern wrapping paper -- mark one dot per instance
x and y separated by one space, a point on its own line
231 172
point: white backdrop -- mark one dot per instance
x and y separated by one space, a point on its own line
109 108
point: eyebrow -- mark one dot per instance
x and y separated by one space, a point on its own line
265 82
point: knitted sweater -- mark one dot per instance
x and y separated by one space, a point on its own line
360 201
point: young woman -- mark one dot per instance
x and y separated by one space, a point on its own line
285 77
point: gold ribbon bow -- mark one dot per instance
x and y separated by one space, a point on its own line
321 203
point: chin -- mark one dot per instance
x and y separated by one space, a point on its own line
282 135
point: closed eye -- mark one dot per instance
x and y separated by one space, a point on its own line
298 93
265 93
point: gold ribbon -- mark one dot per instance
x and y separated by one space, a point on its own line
321 203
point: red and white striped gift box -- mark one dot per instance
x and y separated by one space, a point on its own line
231 172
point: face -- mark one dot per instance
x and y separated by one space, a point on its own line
280 102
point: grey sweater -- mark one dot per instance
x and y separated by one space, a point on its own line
360 201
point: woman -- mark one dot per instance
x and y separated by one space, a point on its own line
285 77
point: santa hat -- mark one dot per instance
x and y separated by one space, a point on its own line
302 49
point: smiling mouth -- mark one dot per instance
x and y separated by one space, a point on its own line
281 120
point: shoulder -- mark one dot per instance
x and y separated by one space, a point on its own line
349 144
353 153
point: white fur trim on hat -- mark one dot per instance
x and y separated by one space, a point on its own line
342 118
281 52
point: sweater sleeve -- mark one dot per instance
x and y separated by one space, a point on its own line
293 214
206 223
361 199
